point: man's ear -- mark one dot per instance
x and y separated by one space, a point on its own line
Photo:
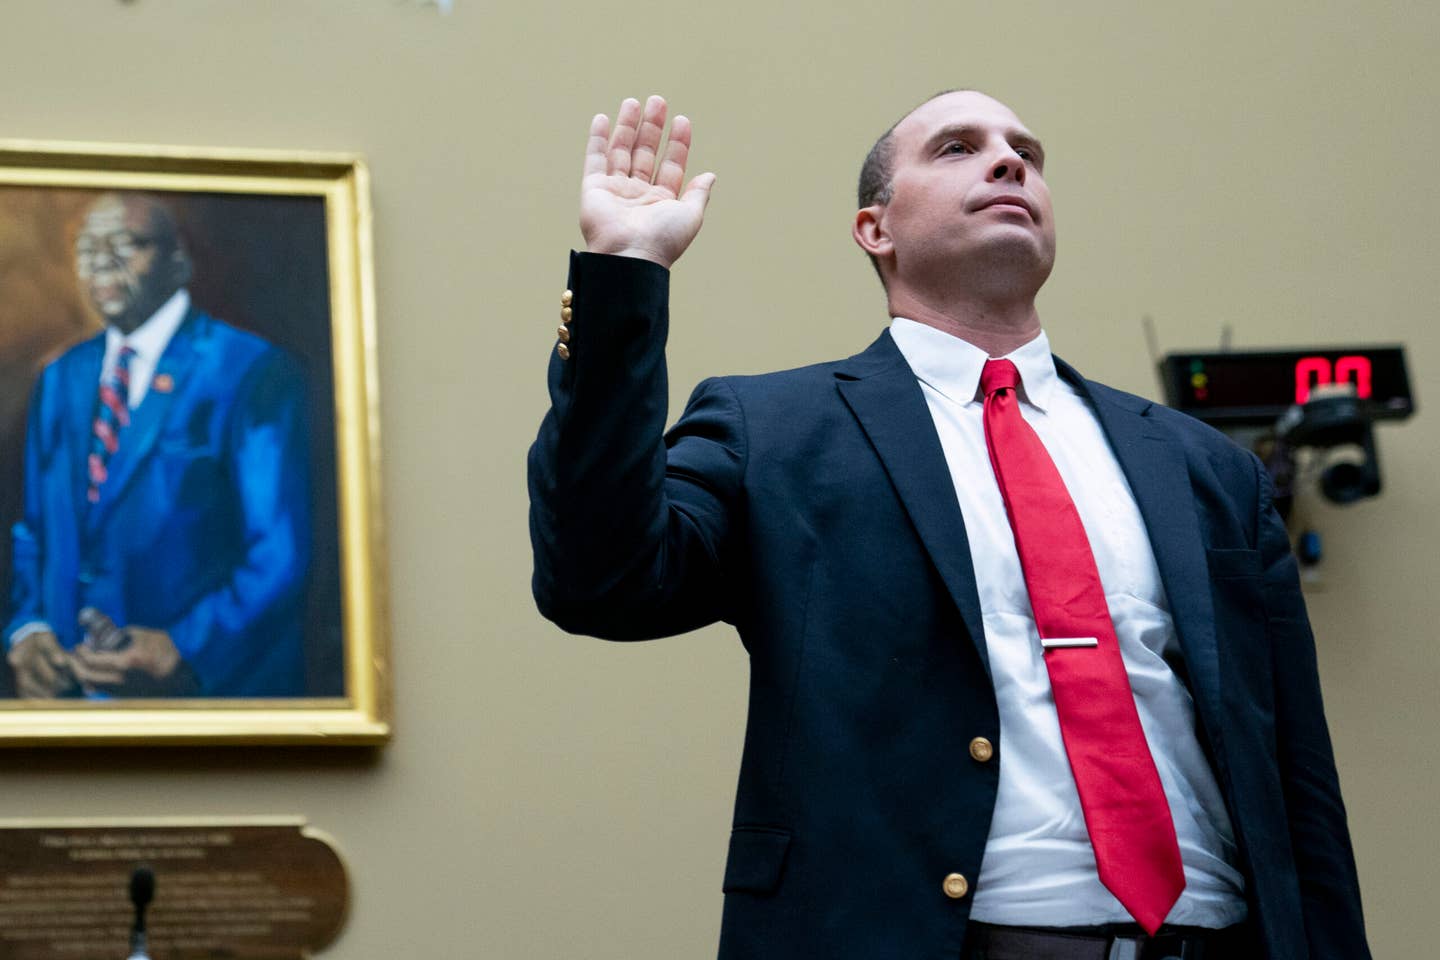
870 233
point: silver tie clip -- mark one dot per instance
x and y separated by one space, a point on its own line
1053 642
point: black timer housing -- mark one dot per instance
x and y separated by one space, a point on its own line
1255 388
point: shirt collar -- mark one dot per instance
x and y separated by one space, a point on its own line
152 337
952 366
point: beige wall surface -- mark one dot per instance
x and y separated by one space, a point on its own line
1264 165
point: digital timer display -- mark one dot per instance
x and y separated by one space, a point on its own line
1256 387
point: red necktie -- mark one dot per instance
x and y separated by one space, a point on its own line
1125 809
112 414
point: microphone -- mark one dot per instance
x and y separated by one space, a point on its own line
142 891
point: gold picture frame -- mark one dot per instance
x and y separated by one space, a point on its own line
277 246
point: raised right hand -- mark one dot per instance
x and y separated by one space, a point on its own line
627 206
42 667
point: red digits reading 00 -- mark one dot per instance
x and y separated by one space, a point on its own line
1311 372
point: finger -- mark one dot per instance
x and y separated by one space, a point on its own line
41 676
626 122
599 139
48 649
647 141
91 659
697 194
677 154
97 669
29 688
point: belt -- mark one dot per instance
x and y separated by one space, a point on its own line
985 941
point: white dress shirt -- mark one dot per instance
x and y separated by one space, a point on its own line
1039 868
149 341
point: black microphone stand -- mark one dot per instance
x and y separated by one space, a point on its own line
142 891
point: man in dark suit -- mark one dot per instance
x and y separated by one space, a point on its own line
165 541
938 763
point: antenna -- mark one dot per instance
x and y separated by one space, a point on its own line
1152 343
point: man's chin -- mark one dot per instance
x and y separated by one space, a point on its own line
1008 251
115 312
109 307
1016 250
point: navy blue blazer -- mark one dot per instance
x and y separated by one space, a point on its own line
203 526
813 509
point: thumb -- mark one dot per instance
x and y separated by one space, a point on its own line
55 655
697 194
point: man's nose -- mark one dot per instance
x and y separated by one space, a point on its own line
1008 166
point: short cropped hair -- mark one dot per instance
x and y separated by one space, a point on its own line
878 170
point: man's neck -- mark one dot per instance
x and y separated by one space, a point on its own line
997 327
144 311
155 331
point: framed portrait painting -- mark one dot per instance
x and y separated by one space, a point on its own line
190 535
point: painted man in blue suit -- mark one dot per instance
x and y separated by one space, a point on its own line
906 789
165 540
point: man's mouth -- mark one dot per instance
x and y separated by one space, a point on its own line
110 298
1009 200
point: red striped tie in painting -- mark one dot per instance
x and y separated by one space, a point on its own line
112 414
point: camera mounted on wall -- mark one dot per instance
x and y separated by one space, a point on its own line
1305 412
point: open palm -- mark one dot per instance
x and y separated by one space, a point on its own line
629 205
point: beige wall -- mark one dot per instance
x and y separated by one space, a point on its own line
1267 165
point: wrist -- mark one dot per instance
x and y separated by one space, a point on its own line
28 629
636 253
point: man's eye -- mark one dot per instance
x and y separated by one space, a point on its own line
955 146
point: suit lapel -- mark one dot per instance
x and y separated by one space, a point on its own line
1154 464
882 392
138 439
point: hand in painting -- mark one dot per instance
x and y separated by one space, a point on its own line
41 666
631 207
129 661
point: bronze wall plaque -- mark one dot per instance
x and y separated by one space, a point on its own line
259 888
